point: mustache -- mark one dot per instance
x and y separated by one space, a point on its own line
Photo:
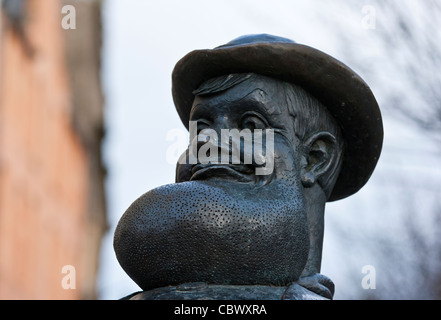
238 171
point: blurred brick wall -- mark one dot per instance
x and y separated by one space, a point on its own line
52 210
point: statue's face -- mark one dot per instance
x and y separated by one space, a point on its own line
224 224
252 106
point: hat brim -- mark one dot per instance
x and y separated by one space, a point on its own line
340 89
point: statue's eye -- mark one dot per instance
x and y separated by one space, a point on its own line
253 121
202 124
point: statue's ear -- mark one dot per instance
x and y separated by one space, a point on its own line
320 156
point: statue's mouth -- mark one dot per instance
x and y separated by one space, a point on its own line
236 172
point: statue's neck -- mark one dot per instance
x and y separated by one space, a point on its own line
315 200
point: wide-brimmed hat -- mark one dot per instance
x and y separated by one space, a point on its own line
347 97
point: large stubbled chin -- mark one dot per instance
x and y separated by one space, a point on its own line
227 233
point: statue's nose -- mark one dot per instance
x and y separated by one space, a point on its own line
217 138
207 136
213 134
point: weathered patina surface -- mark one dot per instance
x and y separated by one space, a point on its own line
277 129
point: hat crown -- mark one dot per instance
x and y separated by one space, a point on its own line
255 38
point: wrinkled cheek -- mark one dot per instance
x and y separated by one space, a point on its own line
287 156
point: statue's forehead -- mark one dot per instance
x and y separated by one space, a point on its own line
263 93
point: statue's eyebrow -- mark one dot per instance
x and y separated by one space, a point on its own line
248 98
268 108
196 109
